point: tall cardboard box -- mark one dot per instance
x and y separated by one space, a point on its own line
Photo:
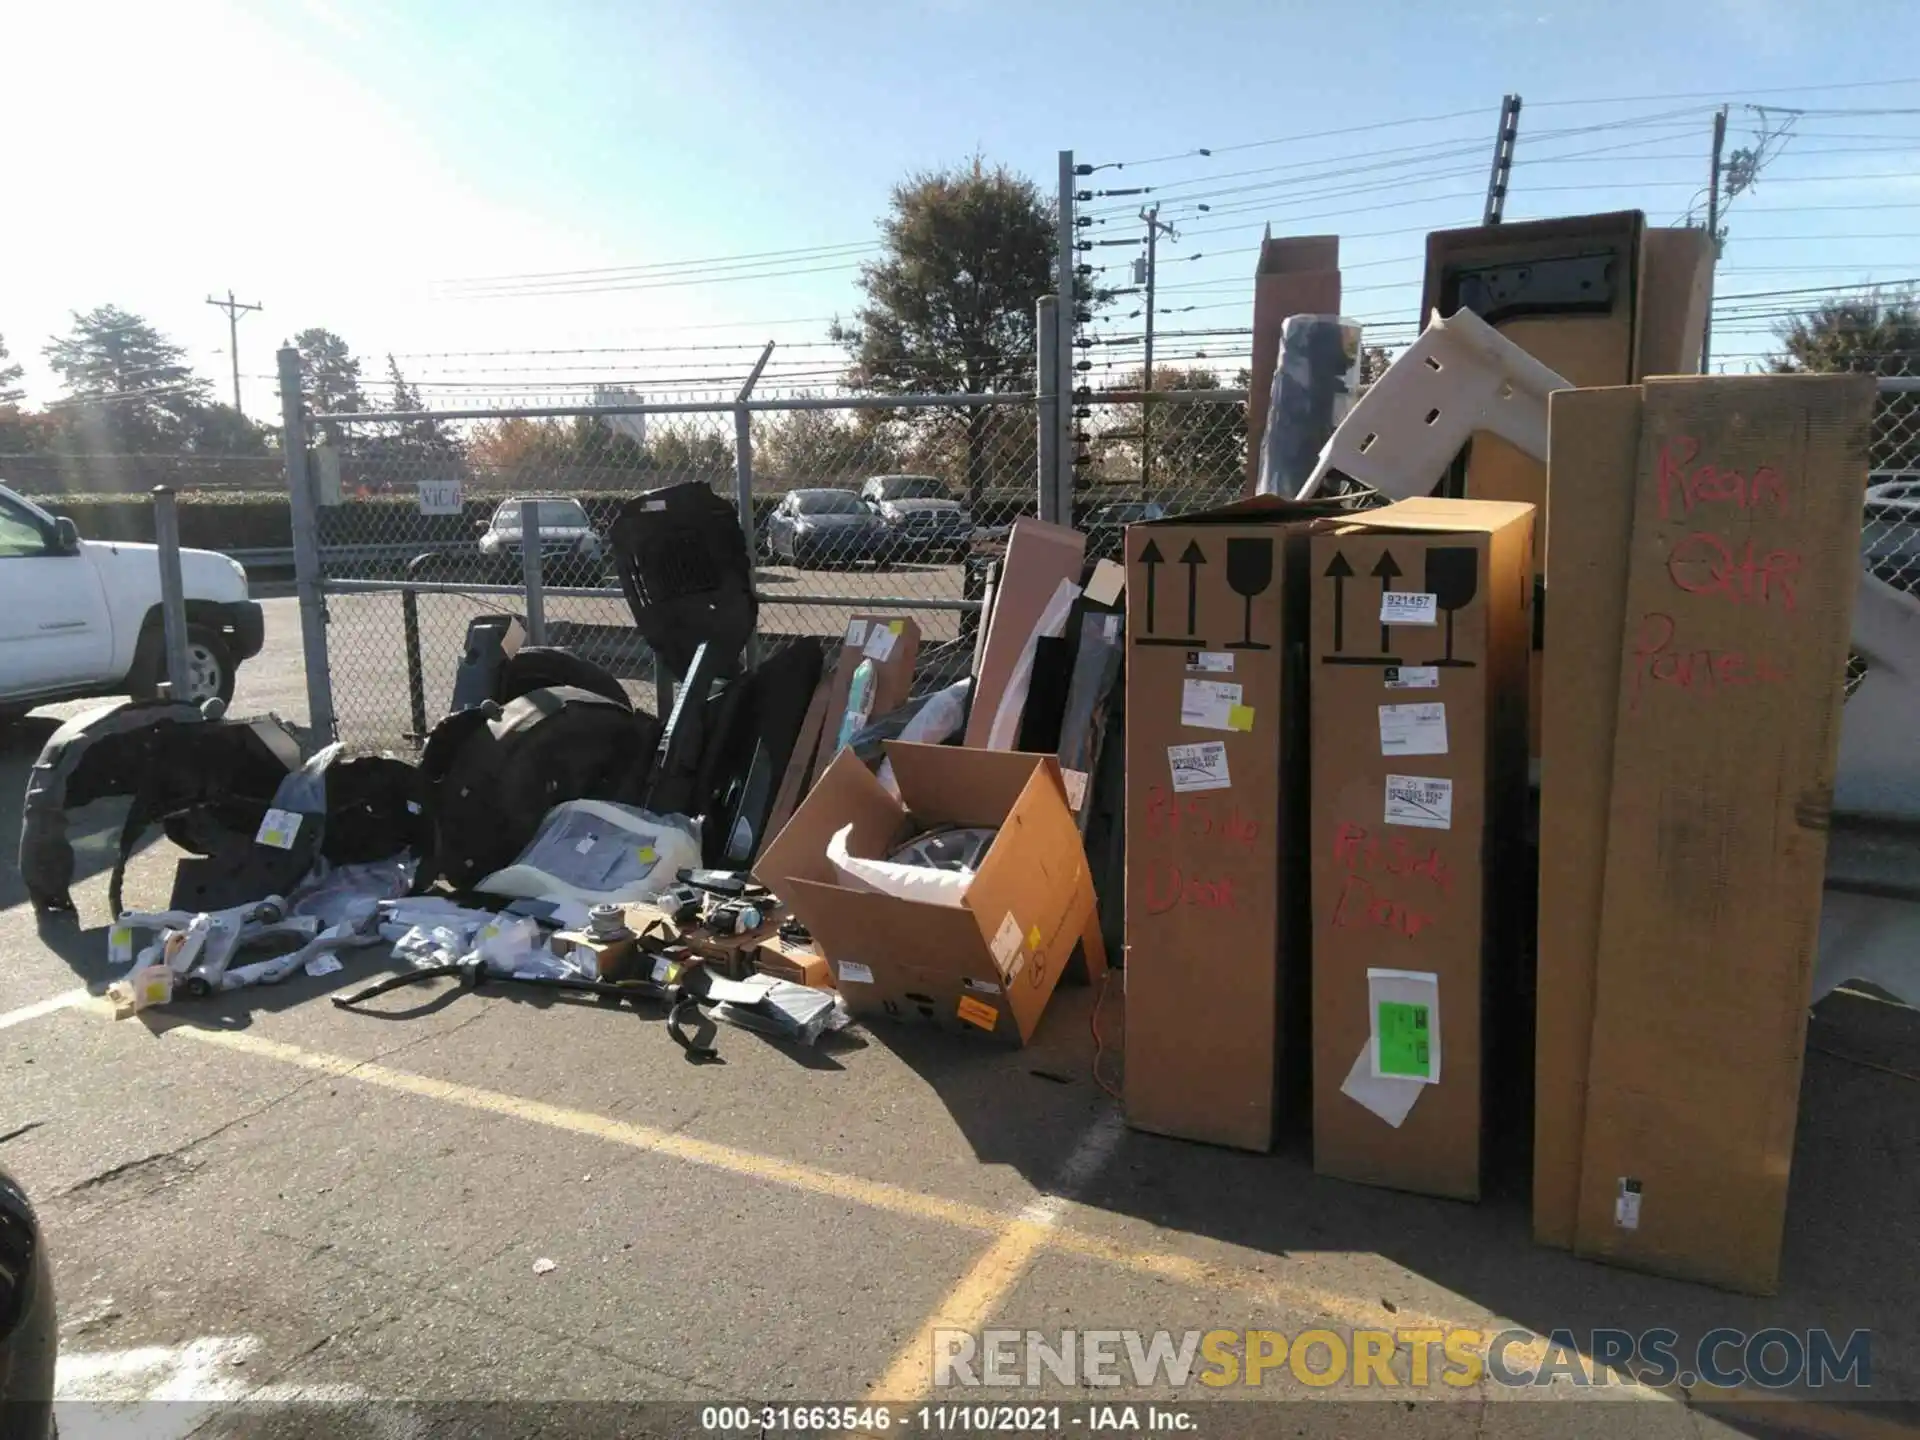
1215 949
1626 301
1421 623
1295 275
1741 573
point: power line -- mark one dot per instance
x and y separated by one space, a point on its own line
623 271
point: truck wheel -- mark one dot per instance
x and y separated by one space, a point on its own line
210 668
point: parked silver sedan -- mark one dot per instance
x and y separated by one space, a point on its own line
824 527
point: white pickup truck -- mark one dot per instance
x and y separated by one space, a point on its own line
80 618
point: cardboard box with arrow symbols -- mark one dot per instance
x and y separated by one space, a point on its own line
1216 809
1421 628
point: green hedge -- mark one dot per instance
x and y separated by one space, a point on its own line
251 520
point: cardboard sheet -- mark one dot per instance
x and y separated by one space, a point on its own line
1039 557
1594 437
1741 577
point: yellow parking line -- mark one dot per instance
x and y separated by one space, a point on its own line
999 1269
874 1194
65 1000
1017 1241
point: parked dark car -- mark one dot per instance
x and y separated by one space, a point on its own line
922 517
1107 525
824 527
29 1339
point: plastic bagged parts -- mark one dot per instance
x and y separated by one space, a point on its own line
599 853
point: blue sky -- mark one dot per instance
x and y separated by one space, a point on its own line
341 161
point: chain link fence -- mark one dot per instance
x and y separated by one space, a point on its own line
856 504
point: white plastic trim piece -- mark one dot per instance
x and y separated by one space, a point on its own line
1460 376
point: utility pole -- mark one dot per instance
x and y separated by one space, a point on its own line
1154 227
233 308
1713 233
1504 139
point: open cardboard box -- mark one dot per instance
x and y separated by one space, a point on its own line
987 964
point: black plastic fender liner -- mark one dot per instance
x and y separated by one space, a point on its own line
495 771
684 567
180 767
547 667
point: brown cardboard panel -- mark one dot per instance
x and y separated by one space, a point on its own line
1594 440
893 676
1676 290
847 793
986 966
979 791
1295 275
1393 895
1039 556
1740 584
1216 965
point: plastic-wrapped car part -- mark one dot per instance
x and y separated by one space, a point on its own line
1314 384
599 854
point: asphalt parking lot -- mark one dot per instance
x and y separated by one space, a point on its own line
267 1214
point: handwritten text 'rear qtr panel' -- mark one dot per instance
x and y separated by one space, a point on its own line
1726 537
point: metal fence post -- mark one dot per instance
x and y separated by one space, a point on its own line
743 480
1046 369
416 675
530 572
173 591
310 580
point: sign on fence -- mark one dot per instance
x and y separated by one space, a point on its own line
439 497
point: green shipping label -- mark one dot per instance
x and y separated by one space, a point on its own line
1402 1032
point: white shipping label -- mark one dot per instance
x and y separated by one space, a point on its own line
852 971
1413 677
1199 767
1208 704
1006 944
1626 1205
1413 729
856 633
1421 801
880 641
278 829
979 987
1214 662
1408 607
